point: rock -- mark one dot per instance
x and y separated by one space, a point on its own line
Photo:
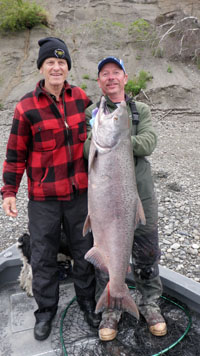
175 246
195 246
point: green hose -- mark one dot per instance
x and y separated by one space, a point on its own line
159 353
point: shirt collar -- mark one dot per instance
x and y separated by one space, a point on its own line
40 88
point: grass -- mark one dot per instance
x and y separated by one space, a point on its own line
169 69
83 86
86 76
118 24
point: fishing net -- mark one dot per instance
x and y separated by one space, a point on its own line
72 336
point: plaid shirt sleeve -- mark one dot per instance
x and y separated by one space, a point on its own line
16 155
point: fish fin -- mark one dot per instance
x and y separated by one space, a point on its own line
94 256
87 226
124 302
92 156
140 217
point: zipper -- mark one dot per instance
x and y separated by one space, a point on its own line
43 178
68 144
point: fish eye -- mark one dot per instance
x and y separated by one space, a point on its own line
116 118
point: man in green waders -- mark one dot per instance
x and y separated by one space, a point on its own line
112 78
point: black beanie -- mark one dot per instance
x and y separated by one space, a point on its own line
52 47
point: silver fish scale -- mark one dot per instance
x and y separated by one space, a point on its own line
112 205
112 196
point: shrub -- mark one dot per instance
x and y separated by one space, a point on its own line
16 15
118 24
86 76
169 69
83 86
140 29
134 85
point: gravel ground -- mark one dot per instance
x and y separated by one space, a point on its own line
175 166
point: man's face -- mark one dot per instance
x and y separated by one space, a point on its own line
55 71
112 79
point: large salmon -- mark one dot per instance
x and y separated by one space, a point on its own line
114 207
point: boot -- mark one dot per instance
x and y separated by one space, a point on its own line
151 290
88 307
42 329
109 324
43 324
155 321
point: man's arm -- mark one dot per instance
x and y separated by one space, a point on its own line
145 141
15 162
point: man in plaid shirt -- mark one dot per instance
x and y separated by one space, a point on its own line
46 140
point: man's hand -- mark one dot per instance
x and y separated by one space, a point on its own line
9 206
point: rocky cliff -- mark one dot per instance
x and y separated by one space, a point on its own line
93 29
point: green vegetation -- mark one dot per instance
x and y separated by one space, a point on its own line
140 29
84 86
1 106
134 85
16 15
142 33
169 69
158 52
86 76
118 24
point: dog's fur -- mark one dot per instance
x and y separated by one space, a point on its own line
25 277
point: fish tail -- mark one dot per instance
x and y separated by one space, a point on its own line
124 302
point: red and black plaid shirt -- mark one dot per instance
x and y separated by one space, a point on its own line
47 140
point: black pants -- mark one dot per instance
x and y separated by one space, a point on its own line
45 220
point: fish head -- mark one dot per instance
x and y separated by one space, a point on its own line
109 128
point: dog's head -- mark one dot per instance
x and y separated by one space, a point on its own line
23 244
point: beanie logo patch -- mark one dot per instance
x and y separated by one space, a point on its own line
59 53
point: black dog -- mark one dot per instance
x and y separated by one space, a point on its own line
63 258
